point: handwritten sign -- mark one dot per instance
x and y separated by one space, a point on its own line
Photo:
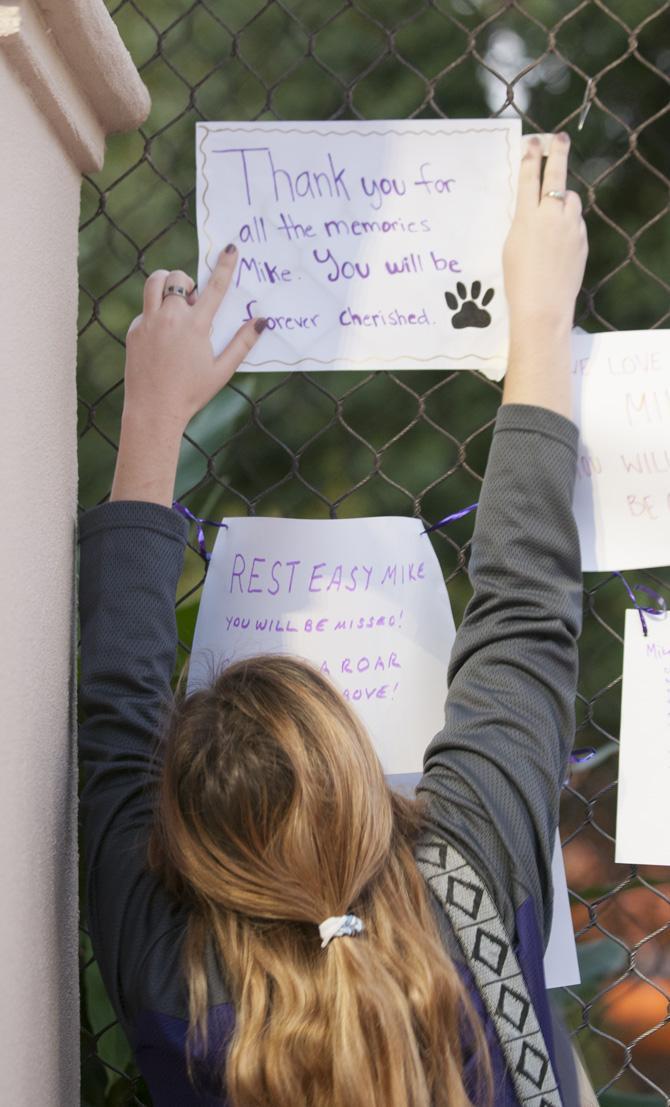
622 406
644 754
365 601
365 245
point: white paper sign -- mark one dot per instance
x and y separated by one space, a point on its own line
367 245
642 831
364 600
622 406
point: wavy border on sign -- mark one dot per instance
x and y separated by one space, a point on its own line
373 357
207 130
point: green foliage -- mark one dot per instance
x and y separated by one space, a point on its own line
599 960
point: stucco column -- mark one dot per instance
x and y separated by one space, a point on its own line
66 81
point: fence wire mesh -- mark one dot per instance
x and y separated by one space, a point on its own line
407 443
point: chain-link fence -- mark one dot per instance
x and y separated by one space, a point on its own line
406 443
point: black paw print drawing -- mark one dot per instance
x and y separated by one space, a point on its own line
470 314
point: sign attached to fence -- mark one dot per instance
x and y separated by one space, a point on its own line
365 601
622 405
644 755
366 245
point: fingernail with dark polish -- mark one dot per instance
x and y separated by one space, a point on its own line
260 325
230 248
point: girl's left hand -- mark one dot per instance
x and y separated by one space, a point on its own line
171 372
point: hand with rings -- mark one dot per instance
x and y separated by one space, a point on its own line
171 371
545 252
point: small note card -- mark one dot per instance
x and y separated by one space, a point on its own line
642 830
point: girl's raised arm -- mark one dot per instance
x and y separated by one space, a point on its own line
495 770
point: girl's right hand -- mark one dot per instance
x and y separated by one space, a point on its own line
545 252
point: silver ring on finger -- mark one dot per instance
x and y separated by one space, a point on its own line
176 284
556 193
174 290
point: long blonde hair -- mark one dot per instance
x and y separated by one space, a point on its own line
272 813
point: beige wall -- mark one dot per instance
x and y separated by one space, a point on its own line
49 133
39 200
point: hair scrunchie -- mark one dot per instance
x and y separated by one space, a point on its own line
339 926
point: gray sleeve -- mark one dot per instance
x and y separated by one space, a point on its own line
495 770
131 554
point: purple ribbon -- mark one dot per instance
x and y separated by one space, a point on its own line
660 610
450 518
582 753
201 536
